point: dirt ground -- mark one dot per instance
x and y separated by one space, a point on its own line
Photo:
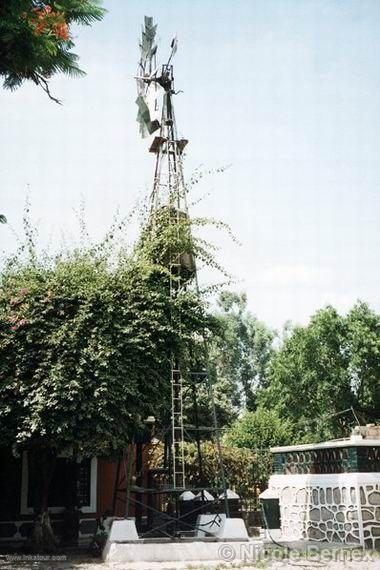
276 560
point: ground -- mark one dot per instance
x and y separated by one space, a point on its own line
296 560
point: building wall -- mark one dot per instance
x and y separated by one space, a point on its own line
341 507
17 514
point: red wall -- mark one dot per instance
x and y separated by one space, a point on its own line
107 469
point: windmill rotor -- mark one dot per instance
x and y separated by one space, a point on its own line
151 79
147 87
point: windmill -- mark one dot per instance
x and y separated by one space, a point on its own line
168 210
155 88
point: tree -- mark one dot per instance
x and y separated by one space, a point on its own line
259 430
325 368
36 42
363 347
85 341
240 353
256 432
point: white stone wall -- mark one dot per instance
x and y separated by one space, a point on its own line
370 514
330 508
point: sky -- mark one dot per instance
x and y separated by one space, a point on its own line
283 92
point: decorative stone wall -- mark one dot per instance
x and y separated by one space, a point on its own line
370 512
326 514
326 508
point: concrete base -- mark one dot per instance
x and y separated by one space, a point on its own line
229 536
123 530
233 529
221 527
209 524
211 550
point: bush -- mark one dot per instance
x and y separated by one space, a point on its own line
260 430
246 472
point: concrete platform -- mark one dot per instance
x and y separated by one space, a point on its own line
205 550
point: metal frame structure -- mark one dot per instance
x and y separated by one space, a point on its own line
169 195
169 192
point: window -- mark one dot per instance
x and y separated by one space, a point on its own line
70 479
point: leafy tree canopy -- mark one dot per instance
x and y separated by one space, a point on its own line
84 349
240 352
260 430
86 343
363 348
36 40
324 368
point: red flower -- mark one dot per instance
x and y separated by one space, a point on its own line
62 31
47 19
40 28
42 12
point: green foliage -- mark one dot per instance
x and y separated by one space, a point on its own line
260 430
329 366
363 348
169 234
35 39
87 339
169 239
84 349
246 472
240 352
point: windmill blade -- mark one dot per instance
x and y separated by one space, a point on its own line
147 87
148 46
174 47
148 123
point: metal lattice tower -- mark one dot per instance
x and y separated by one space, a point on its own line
168 211
155 86
169 192
168 196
